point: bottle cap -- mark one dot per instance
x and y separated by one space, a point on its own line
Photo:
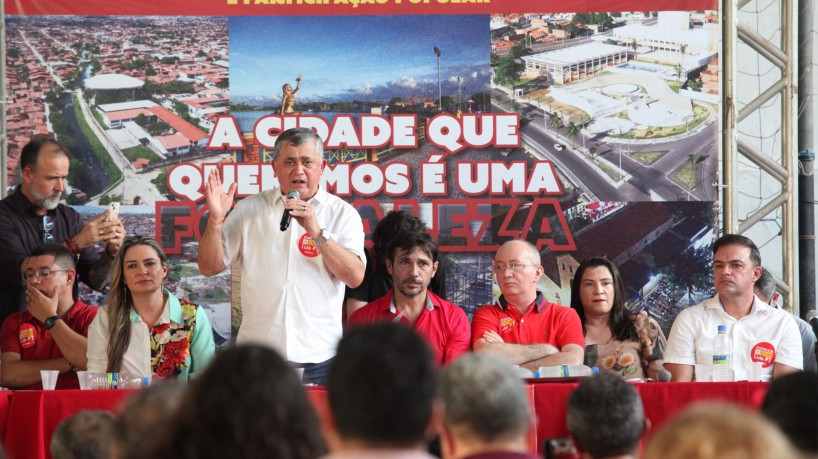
596 370
722 328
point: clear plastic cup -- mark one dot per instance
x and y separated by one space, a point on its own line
49 378
84 378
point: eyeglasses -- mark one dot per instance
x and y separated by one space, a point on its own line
42 273
514 267
48 225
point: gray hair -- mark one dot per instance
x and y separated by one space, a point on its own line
605 416
297 137
482 393
530 250
765 285
85 435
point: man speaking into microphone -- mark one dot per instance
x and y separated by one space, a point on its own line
293 275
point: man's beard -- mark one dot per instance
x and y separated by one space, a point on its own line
410 294
45 202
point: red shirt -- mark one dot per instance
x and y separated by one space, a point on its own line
444 325
24 335
543 322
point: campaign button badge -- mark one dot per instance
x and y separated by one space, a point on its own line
764 353
307 246
28 335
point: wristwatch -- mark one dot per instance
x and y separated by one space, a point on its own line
324 237
50 321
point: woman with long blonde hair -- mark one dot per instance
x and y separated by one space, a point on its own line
144 330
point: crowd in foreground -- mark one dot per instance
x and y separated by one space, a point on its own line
387 398
303 268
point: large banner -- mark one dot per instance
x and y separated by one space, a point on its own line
585 130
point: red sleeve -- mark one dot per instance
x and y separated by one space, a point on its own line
459 340
570 327
87 317
484 319
10 334
360 316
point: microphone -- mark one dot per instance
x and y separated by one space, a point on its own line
663 376
285 219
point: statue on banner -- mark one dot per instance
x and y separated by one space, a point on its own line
288 97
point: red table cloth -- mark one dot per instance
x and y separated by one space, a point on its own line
29 418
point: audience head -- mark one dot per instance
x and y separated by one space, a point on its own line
140 257
392 224
85 435
44 165
765 288
605 416
792 404
719 431
136 427
49 266
299 161
412 263
248 403
517 268
597 289
381 387
485 406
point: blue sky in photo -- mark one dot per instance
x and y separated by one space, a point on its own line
345 58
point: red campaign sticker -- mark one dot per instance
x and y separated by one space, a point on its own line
28 336
763 352
506 323
307 246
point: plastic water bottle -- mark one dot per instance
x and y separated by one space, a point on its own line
129 381
722 356
566 371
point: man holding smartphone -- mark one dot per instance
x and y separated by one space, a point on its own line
33 215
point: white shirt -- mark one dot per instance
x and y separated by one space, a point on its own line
766 335
137 359
289 298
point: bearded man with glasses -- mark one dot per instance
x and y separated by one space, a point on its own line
522 325
52 333
33 215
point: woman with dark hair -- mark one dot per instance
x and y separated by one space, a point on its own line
249 403
144 330
630 345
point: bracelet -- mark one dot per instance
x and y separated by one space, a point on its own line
217 223
72 245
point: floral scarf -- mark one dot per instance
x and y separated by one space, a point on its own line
170 344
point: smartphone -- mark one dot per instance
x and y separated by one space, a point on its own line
560 448
114 211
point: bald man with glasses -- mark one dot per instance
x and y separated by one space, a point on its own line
522 325
51 334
